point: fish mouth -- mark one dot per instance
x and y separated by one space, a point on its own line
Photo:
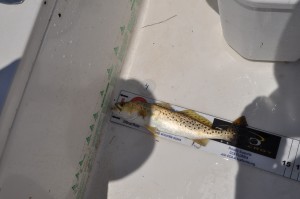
118 106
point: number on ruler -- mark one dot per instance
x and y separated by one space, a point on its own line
288 164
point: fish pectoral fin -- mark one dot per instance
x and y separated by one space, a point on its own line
165 105
152 130
142 113
196 116
241 121
202 142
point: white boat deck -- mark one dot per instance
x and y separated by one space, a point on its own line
179 54
184 60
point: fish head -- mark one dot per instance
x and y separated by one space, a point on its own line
132 111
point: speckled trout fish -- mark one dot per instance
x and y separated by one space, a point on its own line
161 117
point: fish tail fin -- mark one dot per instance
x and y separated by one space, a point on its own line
232 137
234 129
241 121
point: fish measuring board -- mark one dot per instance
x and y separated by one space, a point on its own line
267 151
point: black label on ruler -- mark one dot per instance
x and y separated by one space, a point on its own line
252 140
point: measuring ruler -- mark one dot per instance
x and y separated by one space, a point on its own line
254 147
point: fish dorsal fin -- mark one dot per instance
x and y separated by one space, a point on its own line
241 121
165 105
196 116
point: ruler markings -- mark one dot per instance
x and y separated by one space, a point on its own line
291 161
287 158
290 149
295 161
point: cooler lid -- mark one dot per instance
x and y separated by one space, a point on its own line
273 4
